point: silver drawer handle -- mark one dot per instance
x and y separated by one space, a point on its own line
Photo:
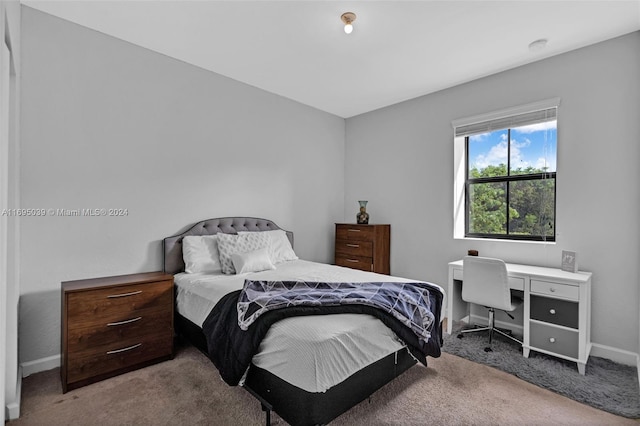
552 339
117 351
351 260
353 230
353 245
552 311
111 296
124 322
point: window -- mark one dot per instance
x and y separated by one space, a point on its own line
507 173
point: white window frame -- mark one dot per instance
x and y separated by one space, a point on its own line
459 155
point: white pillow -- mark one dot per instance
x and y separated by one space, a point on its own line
252 261
229 244
200 254
280 249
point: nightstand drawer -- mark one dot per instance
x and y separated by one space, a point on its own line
94 339
120 356
355 262
554 339
555 289
555 311
354 248
354 232
100 306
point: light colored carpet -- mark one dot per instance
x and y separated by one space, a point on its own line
188 391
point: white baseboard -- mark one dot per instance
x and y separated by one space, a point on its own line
12 409
38 365
618 355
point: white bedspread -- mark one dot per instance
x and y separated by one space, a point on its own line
313 352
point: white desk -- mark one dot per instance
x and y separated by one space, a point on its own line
557 309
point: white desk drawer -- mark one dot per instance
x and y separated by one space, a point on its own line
555 289
514 283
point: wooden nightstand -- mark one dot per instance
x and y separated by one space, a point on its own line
364 247
112 325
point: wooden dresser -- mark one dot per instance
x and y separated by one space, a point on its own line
112 325
363 247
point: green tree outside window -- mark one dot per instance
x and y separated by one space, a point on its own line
511 183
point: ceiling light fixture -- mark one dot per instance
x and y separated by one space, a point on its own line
539 44
348 18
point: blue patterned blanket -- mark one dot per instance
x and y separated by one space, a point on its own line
409 303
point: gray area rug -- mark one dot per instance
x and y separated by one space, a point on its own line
606 385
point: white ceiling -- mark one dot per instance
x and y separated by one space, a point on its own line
398 50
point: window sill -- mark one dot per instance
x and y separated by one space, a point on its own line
503 240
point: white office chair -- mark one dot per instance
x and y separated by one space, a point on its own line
485 282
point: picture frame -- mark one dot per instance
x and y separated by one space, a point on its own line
569 261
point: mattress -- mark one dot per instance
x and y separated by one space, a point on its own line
313 353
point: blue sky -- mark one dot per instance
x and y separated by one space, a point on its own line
533 145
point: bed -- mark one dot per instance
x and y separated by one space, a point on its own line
307 362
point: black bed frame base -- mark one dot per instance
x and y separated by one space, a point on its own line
299 407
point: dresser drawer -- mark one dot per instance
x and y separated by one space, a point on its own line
554 339
354 232
100 306
120 356
355 262
555 289
364 247
124 331
354 248
111 325
555 311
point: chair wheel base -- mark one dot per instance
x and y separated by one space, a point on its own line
488 349
460 336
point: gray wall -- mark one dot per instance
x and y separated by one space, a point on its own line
400 158
106 124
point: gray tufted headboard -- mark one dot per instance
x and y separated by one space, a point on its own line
172 246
